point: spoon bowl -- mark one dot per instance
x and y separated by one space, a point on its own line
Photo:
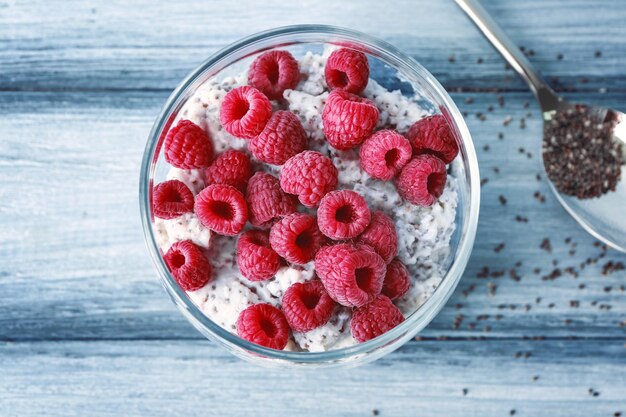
602 213
604 217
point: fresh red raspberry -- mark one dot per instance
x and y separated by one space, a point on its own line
231 167
188 146
309 175
307 306
282 138
170 199
264 325
384 154
374 319
348 70
348 119
245 111
432 135
222 208
296 238
267 201
188 265
381 236
274 72
397 281
352 274
256 259
343 214
422 180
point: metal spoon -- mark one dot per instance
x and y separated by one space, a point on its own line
604 217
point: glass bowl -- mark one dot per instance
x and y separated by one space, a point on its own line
396 70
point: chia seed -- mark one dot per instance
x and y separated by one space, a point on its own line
580 155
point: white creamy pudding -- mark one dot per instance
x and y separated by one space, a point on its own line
424 233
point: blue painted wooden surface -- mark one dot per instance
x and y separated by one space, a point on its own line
85 328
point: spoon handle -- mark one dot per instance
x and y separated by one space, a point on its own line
494 33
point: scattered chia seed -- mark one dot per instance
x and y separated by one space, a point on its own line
580 155
375 412
496 170
521 219
451 59
502 200
500 135
465 391
490 108
469 100
597 54
545 245
486 148
610 267
512 412
507 120
521 150
499 247
540 197
479 61
484 181
522 123
538 176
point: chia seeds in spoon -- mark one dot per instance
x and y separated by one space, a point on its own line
580 156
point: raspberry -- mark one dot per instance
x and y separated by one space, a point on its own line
374 319
230 168
222 209
422 180
282 138
245 111
256 259
307 306
381 236
267 201
274 72
343 214
171 199
397 281
264 325
188 146
309 175
348 70
432 135
352 274
384 154
348 119
296 238
188 265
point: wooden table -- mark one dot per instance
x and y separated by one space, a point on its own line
85 328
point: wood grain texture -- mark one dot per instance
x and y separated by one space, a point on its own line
85 328
428 379
146 45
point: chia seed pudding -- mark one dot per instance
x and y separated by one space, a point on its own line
424 233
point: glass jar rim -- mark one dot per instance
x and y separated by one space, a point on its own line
431 306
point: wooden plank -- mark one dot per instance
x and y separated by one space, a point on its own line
139 45
73 264
428 378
